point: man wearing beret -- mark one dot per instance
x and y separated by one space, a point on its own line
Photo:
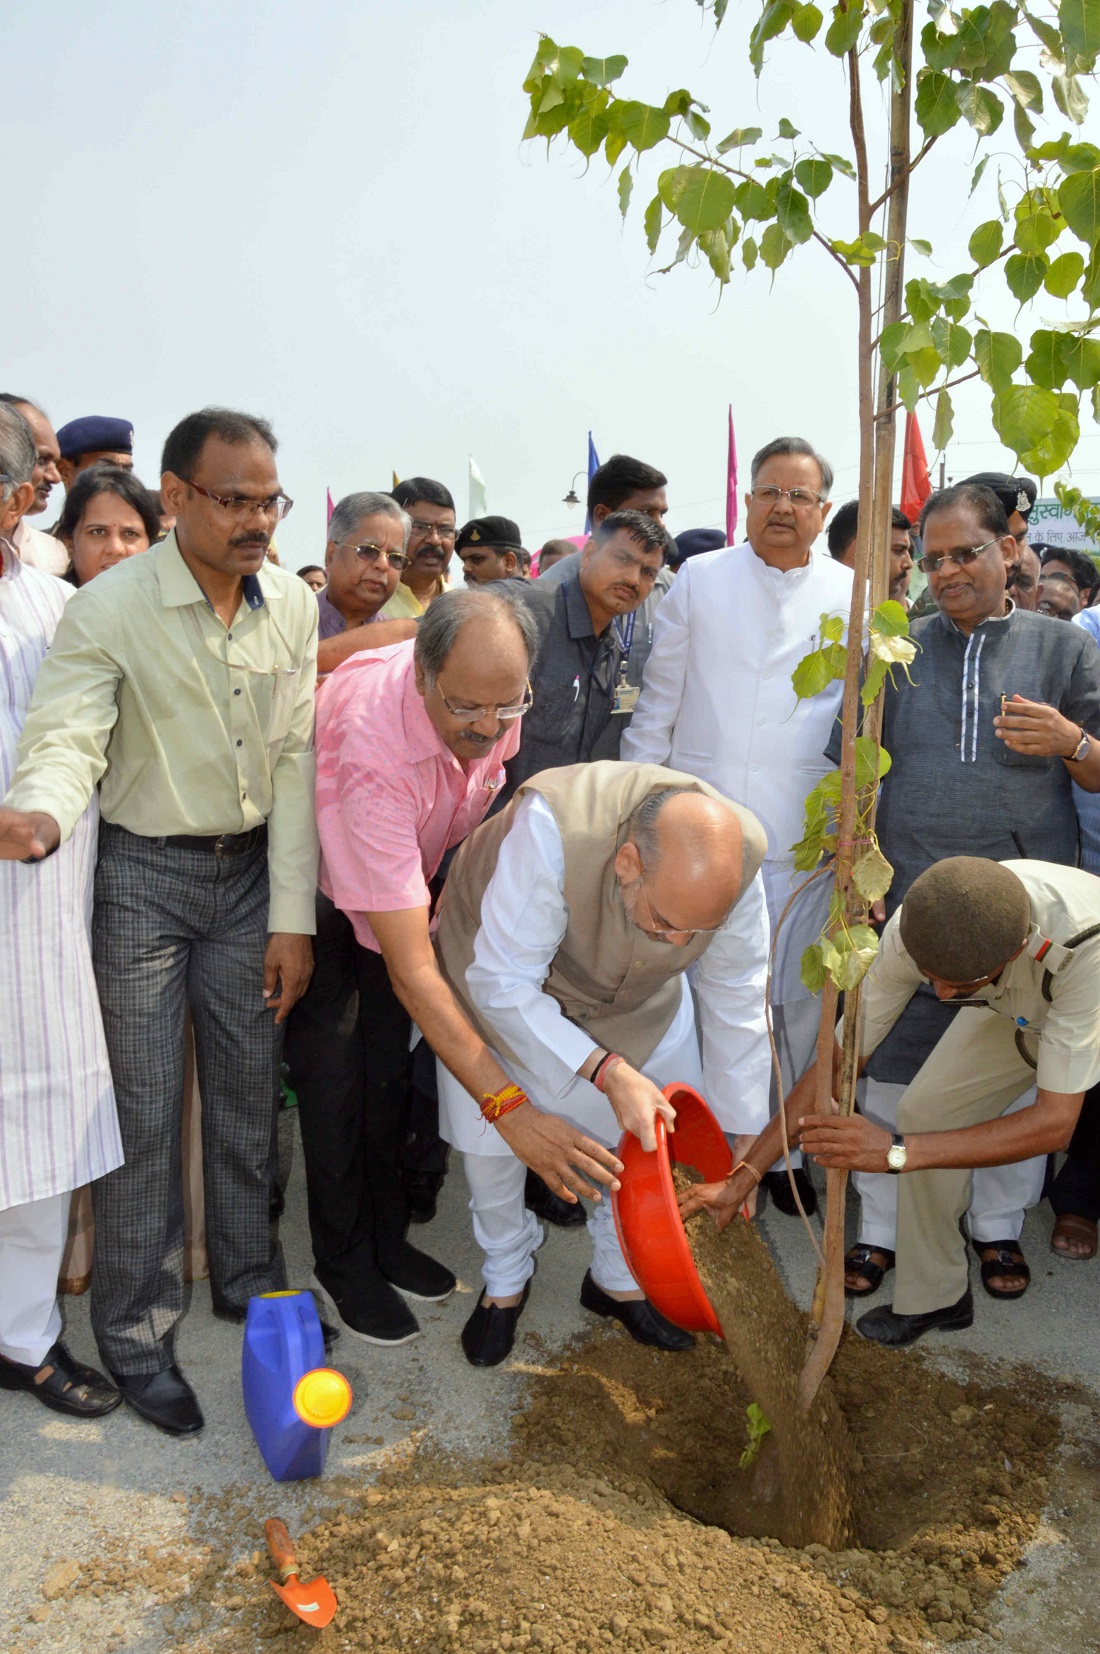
1017 945
95 439
491 548
998 717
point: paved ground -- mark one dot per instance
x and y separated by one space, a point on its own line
62 1484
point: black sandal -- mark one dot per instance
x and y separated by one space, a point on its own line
1007 1260
62 1384
859 1258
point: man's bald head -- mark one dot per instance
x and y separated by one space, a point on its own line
684 862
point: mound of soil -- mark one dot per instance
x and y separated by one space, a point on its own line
622 1519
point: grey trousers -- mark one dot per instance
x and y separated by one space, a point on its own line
974 1074
172 926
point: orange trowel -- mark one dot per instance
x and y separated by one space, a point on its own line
315 1602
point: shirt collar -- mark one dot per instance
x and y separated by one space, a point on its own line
11 565
178 586
994 620
577 613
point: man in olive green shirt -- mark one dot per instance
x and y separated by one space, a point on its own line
181 682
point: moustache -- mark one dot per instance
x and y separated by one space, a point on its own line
245 541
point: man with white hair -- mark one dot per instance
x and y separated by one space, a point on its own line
58 1127
717 701
42 551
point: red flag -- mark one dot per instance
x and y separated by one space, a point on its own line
915 486
331 507
731 485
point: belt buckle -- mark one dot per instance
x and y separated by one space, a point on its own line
219 845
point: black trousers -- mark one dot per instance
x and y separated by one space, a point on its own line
347 1045
1076 1189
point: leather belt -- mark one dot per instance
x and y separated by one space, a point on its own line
222 844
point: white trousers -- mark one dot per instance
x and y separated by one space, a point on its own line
32 1241
795 1028
506 1231
999 1195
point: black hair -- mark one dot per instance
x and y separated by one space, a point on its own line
14 401
310 568
974 496
1081 566
650 536
843 526
187 439
618 478
784 446
411 490
107 479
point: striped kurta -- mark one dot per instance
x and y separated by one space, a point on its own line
58 1127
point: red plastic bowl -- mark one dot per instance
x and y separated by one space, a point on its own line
647 1217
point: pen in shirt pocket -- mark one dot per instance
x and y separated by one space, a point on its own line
576 688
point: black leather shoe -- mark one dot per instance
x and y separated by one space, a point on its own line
371 1310
551 1207
415 1273
421 1197
61 1383
778 1185
165 1399
644 1323
490 1332
884 1327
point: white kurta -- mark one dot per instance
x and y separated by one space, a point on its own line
717 702
523 920
58 1127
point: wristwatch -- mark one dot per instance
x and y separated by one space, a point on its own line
896 1155
1081 750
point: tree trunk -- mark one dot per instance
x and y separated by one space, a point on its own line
872 564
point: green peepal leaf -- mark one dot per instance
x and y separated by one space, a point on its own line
626 184
891 619
812 968
872 761
701 198
817 670
759 1425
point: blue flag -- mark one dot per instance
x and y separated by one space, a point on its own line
593 467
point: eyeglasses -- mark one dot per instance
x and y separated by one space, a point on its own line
961 556
655 930
426 530
474 714
801 498
368 553
239 505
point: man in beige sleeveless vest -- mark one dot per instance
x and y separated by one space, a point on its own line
566 928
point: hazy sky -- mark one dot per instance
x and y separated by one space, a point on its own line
322 213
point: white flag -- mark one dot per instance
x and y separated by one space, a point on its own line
479 505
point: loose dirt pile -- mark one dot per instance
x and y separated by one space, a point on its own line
607 1527
622 1518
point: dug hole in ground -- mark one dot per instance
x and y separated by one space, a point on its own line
592 1499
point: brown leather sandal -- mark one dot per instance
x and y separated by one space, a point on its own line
1071 1226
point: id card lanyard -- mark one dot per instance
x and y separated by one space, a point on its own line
624 696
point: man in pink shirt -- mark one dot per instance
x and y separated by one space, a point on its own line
411 742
